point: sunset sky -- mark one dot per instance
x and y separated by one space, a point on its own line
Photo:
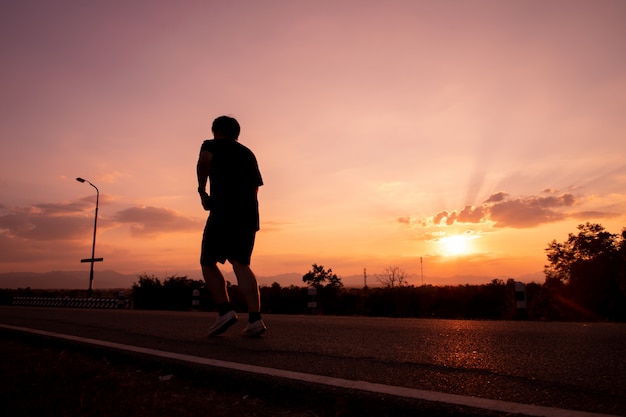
466 133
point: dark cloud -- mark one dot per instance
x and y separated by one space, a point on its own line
522 212
58 235
16 250
438 218
497 197
471 215
468 215
154 220
64 209
74 221
64 221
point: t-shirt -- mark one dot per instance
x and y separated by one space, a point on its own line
234 178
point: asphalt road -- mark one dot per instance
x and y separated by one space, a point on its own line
573 366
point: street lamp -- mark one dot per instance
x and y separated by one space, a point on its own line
93 247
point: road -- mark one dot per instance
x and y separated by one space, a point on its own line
572 366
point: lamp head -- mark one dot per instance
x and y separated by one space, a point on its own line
80 179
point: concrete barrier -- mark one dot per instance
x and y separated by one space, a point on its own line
195 300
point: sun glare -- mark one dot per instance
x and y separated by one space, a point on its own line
455 245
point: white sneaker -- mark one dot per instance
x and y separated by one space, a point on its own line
222 323
255 329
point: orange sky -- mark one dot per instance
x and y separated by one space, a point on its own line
382 129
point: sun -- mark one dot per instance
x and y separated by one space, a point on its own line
455 245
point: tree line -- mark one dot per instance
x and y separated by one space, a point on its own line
585 280
495 300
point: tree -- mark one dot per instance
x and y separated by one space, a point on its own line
328 287
147 293
334 282
173 294
393 276
177 292
587 265
319 277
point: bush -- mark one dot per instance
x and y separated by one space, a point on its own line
175 293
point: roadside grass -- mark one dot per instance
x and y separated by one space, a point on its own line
40 377
47 377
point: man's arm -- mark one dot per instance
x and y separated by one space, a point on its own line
202 170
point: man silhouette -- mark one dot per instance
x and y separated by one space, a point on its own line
234 179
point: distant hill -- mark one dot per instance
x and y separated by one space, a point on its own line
112 279
66 280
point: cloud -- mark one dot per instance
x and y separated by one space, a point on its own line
62 221
521 212
58 253
468 215
274 226
74 221
55 235
410 221
111 177
586 215
528 212
471 215
150 221
497 197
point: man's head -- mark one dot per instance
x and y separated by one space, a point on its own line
226 127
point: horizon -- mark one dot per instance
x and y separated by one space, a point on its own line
76 280
457 138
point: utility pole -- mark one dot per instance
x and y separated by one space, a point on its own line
422 269
364 277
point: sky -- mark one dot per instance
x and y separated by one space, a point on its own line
448 138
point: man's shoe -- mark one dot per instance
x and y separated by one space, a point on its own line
222 323
255 329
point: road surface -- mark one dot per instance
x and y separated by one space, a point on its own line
570 366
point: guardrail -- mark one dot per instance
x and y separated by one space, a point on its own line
67 302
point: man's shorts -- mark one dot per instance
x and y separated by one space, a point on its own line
221 243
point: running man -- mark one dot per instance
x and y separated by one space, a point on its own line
234 179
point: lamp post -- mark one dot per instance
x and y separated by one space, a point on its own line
93 247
